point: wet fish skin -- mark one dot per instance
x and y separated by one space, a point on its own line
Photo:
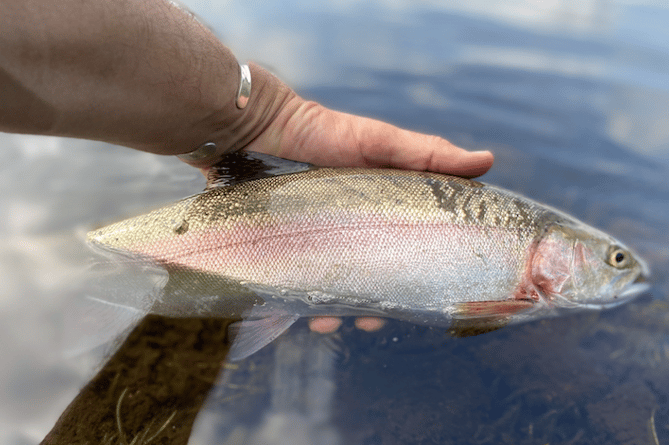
419 246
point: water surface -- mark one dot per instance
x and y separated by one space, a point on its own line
573 99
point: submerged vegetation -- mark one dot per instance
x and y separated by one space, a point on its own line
142 438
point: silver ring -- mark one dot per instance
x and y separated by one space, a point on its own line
204 151
244 91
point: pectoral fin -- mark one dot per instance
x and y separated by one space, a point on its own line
252 335
487 309
480 317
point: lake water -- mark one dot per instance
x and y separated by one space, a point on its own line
573 99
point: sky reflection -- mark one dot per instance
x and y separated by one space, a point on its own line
572 96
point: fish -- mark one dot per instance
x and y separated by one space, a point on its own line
272 240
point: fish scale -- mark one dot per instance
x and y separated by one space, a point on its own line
413 245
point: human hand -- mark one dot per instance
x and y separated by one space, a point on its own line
281 123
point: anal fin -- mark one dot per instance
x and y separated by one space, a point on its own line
252 335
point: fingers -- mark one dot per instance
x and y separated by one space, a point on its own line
384 144
328 325
369 324
325 137
324 325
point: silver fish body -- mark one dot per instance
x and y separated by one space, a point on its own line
419 246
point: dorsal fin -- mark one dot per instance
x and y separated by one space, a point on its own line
242 166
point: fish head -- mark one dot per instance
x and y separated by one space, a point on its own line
575 265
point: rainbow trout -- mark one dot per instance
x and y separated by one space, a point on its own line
291 240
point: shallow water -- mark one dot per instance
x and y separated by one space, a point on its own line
572 97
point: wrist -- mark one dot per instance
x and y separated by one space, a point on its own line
232 128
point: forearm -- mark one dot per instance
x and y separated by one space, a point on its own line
144 74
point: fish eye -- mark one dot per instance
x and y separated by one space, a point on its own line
618 257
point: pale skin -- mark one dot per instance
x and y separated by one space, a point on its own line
147 75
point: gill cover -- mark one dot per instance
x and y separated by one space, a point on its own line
577 265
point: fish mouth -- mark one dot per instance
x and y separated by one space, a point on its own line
638 286
635 288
